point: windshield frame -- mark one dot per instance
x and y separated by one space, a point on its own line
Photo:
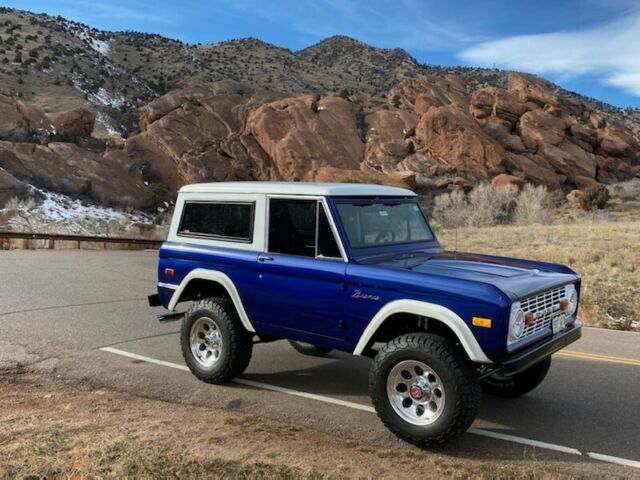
384 248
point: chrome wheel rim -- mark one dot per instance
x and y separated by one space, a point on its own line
415 392
206 341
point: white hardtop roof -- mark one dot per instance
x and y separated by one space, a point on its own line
298 188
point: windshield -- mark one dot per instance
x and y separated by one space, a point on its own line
377 223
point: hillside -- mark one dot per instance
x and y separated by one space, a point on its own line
56 64
80 105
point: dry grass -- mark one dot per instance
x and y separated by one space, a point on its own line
48 430
604 251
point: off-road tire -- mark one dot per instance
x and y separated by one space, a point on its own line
237 342
520 383
459 380
309 349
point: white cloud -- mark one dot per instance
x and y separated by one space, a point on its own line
610 51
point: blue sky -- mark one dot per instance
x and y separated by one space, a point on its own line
588 46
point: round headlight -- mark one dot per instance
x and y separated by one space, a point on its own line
572 297
517 327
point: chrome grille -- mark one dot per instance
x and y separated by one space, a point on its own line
544 306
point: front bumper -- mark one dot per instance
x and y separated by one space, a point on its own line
539 351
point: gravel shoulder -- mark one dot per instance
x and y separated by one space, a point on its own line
53 428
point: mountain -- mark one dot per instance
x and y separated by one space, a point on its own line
123 109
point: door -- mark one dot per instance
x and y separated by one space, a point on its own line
300 287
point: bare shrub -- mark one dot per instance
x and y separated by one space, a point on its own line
594 197
629 190
488 206
532 206
483 206
449 209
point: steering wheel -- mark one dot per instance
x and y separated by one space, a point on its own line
380 238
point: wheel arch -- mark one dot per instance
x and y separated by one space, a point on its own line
215 282
414 308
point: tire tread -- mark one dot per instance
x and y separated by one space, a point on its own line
239 341
466 383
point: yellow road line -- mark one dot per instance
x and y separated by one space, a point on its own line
598 358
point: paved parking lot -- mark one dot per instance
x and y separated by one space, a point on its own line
85 313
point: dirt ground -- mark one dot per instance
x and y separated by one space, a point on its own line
51 429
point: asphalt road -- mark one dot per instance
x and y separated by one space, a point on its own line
60 310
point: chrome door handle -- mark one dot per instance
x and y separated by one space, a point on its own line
265 258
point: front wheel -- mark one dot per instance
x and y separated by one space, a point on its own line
424 389
518 384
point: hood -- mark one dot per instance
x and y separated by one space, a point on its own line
517 278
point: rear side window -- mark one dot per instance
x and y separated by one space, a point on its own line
292 226
300 227
226 221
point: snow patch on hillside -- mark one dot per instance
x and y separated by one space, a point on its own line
83 33
100 97
103 97
57 213
56 207
104 120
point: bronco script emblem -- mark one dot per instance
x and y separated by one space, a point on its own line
364 296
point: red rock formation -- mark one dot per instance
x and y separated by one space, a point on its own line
456 140
18 121
300 140
77 122
504 180
437 135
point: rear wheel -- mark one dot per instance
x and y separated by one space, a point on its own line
518 384
309 349
215 345
424 389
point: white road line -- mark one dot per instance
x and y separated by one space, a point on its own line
525 441
610 459
367 408
250 383
311 396
145 359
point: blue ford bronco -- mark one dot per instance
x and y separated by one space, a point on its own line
357 268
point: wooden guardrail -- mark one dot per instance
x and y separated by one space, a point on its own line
52 238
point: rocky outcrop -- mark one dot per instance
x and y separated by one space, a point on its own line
65 167
429 132
9 186
526 130
504 180
456 140
76 122
300 139
18 122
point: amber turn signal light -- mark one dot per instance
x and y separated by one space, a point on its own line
564 305
481 322
528 319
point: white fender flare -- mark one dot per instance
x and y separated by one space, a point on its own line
222 279
429 310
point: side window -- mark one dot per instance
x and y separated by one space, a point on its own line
300 227
227 221
292 226
327 246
